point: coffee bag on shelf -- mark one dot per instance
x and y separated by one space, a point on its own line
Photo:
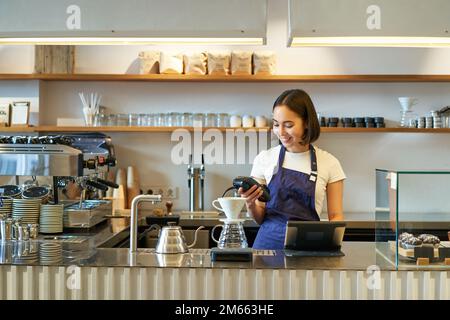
219 62
195 63
264 63
241 62
149 62
171 63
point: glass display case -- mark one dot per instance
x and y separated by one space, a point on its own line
412 219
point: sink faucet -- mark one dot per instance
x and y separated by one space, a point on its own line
134 217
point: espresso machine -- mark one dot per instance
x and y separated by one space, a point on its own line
82 160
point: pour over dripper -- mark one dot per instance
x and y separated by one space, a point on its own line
407 102
407 116
231 206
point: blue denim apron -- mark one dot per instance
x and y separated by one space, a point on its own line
292 198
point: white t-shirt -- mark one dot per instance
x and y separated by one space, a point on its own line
329 169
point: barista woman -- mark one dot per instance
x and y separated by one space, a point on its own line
298 174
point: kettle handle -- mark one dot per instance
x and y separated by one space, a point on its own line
195 237
212 232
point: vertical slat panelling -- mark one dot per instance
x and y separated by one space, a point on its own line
310 285
60 282
143 284
28 288
394 286
127 282
226 287
361 286
210 284
410 285
296 288
162 285
378 290
26 282
195 283
426 285
2 283
12 284
44 284
92 282
326 287
176 285
444 285
109 283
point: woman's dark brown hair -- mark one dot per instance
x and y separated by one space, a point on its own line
299 102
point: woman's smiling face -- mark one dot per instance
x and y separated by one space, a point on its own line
289 128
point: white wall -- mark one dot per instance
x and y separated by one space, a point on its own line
359 154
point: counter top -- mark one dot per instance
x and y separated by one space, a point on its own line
358 256
95 249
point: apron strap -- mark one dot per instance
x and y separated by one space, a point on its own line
312 152
313 175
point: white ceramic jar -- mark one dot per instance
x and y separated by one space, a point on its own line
235 121
248 121
260 121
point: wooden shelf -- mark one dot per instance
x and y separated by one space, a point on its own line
17 129
382 130
56 129
134 129
229 78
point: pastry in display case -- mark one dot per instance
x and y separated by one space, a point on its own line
412 218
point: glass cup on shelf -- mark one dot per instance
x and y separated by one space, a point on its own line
209 120
186 119
167 119
142 120
100 120
112 120
159 120
174 119
133 119
197 119
151 120
122 120
177 119
223 120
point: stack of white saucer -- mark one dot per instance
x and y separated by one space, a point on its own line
6 206
50 252
27 210
25 252
51 218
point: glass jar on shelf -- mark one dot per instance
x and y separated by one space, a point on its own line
133 119
186 119
142 120
209 120
197 119
122 120
160 120
151 120
100 120
223 120
112 120
174 119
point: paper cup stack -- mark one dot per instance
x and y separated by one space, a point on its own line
51 218
6 206
27 210
50 252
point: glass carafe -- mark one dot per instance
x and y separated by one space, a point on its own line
232 235
408 119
